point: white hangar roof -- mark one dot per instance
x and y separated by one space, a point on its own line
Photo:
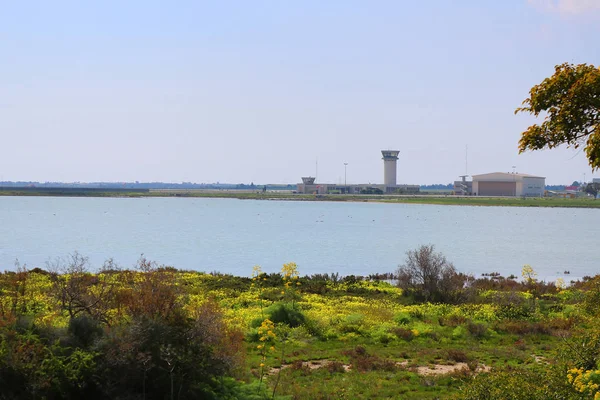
503 176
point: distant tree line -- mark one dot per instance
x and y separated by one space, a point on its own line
144 185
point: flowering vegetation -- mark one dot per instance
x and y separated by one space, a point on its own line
158 333
585 382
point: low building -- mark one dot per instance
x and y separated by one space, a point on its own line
390 158
463 187
308 186
508 184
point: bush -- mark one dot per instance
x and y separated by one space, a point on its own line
403 333
362 361
519 384
453 320
353 323
521 310
428 276
523 327
315 329
457 355
286 314
592 296
84 330
476 329
402 319
583 350
335 367
302 367
383 336
459 332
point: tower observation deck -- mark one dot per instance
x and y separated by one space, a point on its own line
390 158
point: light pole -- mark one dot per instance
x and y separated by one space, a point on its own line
345 167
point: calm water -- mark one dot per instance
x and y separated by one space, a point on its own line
231 236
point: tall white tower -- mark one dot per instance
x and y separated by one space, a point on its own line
389 166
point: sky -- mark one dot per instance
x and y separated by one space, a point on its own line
269 91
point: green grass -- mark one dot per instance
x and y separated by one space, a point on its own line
360 339
501 201
406 199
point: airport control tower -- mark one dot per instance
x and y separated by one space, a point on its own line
389 166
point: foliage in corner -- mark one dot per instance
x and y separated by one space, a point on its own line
570 101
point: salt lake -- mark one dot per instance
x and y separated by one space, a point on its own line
360 238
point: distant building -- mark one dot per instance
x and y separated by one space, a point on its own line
390 158
508 184
463 187
389 185
363 188
596 180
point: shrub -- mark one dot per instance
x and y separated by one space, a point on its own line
561 324
402 319
417 313
363 361
302 367
583 350
453 320
84 330
517 384
315 329
523 327
161 355
383 337
403 333
335 367
472 365
592 296
286 314
478 330
459 332
457 355
353 324
429 276
520 310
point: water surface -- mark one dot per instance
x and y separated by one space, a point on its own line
230 235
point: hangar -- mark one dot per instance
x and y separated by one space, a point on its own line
508 184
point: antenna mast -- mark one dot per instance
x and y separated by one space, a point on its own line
466 159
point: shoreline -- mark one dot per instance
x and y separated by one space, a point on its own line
431 199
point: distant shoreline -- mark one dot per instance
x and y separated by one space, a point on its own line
432 199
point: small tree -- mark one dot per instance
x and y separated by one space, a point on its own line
592 188
78 291
429 275
529 274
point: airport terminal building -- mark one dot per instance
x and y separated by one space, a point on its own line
389 186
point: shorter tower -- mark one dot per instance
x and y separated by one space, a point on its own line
389 166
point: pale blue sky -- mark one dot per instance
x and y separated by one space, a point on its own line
241 91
